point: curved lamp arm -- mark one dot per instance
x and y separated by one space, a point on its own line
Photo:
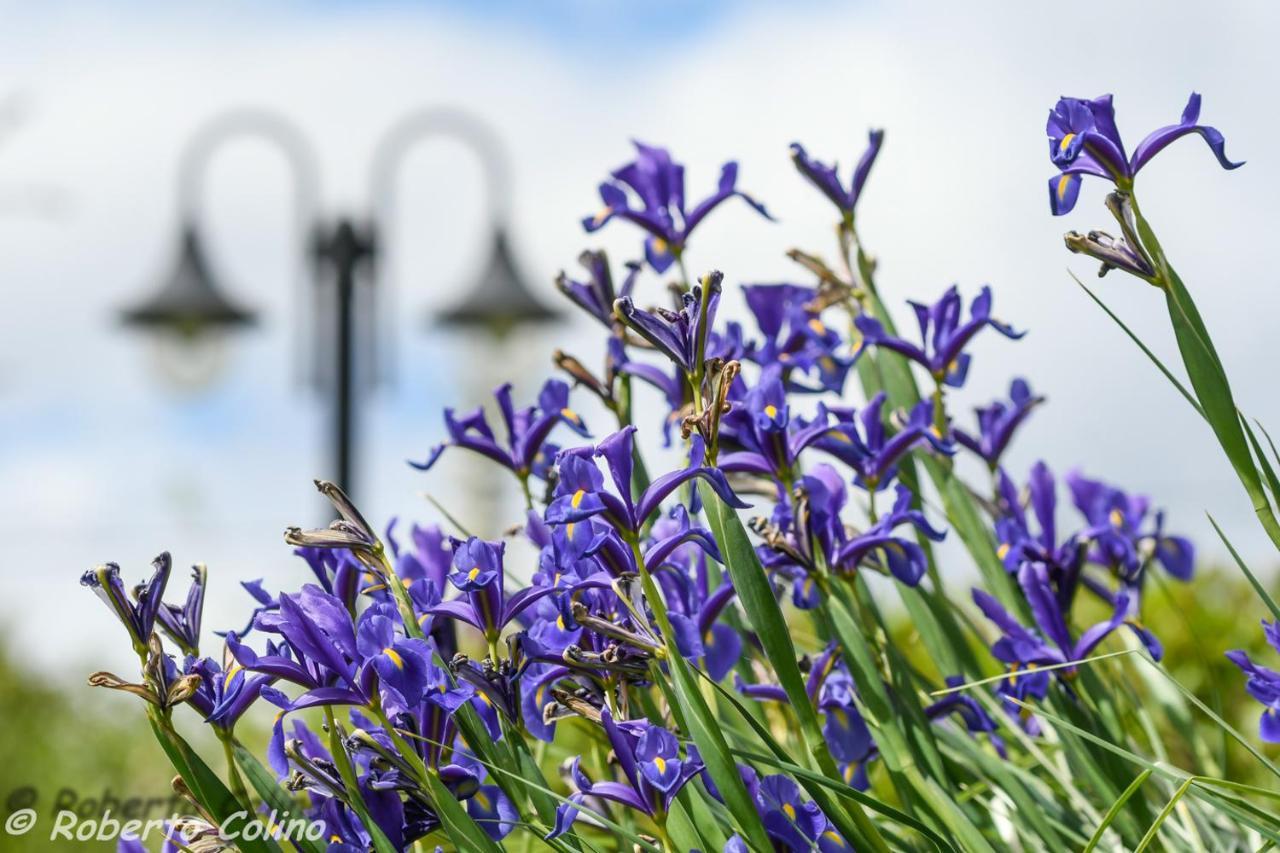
300 156
420 126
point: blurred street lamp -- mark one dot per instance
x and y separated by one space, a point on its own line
191 306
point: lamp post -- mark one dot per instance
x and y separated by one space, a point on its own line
340 258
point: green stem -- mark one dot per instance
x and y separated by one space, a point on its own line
233 772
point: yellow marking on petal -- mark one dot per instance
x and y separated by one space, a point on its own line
568 531
660 245
1003 550
560 622
1066 140
849 771
841 716
935 432
1063 183
827 363
771 410
482 799
231 673
395 657
555 581
335 839
831 835
475 571
604 213
576 500
1117 518
279 717
661 764
790 810
569 414
816 325
839 436
422 620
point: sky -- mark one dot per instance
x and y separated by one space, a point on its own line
105 456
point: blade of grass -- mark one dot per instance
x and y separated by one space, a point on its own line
1163 816
1253 579
1182 389
1116 806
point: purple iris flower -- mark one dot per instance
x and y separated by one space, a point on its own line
527 429
1024 650
1263 684
182 624
998 422
875 453
793 823
478 572
943 335
759 435
657 183
902 558
580 492
1116 520
225 691
1020 544
138 616
650 760
826 179
597 294
1084 140
679 335
794 336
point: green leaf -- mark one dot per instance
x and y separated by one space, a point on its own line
1116 806
816 784
461 828
1253 579
348 775
760 603
1168 374
1163 816
274 796
205 785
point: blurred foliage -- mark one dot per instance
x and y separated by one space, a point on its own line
83 749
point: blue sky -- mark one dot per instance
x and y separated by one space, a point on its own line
102 461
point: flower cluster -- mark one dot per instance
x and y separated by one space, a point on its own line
630 621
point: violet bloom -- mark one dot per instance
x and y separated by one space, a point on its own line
1263 684
657 183
580 492
138 616
759 435
900 557
478 572
182 624
597 294
875 453
1116 522
998 422
650 760
1024 650
527 429
679 335
1084 140
943 336
225 692
1020 544
795 338
826 179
